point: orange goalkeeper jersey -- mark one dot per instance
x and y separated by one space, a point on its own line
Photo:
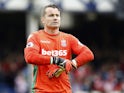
40 47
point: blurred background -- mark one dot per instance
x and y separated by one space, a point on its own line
97 23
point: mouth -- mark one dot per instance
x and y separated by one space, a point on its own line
55 22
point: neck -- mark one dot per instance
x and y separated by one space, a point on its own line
51 30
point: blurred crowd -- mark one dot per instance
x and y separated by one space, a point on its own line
13 72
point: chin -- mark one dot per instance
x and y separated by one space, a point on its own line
55 26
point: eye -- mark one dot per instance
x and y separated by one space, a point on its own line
57 15
51 15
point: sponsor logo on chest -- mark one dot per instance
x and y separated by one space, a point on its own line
54 52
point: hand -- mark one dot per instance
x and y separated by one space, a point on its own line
52 71
67 64
59 71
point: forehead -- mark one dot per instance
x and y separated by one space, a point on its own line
51 10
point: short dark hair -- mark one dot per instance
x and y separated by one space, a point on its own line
47 6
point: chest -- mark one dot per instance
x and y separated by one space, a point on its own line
55 46
54 42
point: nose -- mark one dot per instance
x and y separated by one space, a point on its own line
55 17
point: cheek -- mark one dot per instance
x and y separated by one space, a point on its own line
59 18
46 21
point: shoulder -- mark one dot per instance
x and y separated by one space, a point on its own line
37 32
34 34
67 35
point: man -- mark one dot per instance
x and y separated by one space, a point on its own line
50 51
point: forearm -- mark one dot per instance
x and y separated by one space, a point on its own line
32 57
84 56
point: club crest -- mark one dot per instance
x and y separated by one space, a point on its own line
63 43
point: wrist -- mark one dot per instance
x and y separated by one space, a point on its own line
74 62
51 60
58 61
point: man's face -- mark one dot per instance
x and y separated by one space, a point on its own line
51 18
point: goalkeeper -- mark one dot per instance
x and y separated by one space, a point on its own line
50 50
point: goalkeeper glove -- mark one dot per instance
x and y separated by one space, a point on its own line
52 71
59 71
67 64
62 69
